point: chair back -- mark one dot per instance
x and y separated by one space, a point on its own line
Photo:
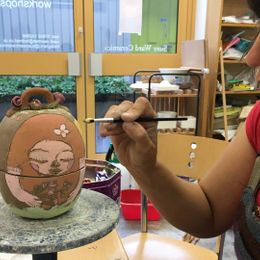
188 155
191 156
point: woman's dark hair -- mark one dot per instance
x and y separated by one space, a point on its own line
254 6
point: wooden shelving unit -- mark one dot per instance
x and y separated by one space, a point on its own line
242 92
234 61
184 101
181 103
240 25
172 95
234 67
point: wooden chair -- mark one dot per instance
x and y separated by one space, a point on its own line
188 156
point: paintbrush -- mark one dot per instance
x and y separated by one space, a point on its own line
140 119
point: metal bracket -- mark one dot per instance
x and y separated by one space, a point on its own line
74 67
95 64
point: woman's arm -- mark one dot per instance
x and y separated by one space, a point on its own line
204 209
208 208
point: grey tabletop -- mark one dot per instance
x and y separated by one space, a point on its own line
93 216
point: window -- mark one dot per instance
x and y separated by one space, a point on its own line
157 34
36 26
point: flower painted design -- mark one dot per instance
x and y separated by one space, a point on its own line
62 131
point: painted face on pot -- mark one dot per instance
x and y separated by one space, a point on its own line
46 144
49 157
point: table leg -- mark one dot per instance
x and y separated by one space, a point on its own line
50 256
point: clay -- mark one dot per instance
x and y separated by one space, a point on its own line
42 156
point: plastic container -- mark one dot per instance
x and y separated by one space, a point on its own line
131 206
110 185
127 181
167 124
175 79
188 124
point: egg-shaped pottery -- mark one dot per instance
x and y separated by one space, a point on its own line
42 155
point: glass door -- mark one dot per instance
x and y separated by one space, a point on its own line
88 51
123 37
42 44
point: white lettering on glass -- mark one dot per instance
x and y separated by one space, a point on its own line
146 48
33 41
25 4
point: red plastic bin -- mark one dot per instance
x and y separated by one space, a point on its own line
131 206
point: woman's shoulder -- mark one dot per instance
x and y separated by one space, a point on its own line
253 126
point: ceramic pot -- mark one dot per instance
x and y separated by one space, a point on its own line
41 156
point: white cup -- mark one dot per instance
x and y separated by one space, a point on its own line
188 124
167 124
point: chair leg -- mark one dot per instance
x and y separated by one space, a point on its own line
220 246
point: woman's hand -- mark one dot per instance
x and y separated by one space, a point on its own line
135 143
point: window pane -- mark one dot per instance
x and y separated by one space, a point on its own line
36 26
109 91
11 86
157 34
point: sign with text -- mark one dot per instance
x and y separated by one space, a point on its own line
36 25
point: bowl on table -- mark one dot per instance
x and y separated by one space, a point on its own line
103 177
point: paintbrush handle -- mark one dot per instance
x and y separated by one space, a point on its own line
153 119
140 119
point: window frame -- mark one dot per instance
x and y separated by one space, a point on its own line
127 64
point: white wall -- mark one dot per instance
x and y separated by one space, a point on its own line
200 22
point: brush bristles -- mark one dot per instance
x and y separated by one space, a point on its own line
104 120
89 120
